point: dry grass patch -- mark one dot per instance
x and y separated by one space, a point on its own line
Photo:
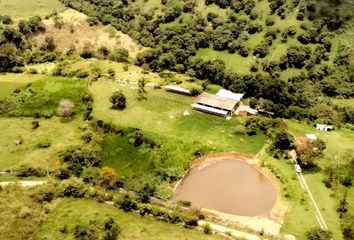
75 31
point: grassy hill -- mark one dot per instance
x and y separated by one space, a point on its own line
19 10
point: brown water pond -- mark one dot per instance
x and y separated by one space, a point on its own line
228 186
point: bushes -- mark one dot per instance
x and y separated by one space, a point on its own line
31 172
65 108
77 159
118 100
318 234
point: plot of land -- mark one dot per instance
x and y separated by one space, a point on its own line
59 135
163 114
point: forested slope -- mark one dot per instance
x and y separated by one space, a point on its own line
294 51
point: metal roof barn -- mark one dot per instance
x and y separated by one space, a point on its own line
215 101
229 94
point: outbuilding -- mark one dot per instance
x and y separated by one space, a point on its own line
214 104
179 90
324 127
246 111
311 136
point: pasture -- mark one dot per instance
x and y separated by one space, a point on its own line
19 9
71 212
52 132
43 96
171 116
10 82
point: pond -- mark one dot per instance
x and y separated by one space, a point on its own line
228 186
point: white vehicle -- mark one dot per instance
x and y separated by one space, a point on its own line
297 168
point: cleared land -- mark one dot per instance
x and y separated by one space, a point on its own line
19 9
163 113
71 212
57 134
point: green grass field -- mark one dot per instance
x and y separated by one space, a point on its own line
10 82
59 135
339 142
19 9
71 212
162 114
44 95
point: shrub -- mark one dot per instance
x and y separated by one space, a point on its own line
31 172
111 73
184 203
45 193
72 188
195 91
318 234
207 228
118 101
79 158
44 144
65 108
126 204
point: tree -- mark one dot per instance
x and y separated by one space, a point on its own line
118 101
141 89
309 151
108 177
7 57
48 44
66 108
318 234
111 230
282 141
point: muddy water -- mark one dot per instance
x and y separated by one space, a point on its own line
228 186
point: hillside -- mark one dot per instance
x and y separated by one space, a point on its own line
71 30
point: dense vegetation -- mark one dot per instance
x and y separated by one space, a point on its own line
175 30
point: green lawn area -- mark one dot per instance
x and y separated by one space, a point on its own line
19 9
234 62
72 212
10 82
162 114
44 95
60 135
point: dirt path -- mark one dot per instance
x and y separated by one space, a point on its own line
24 183
305 186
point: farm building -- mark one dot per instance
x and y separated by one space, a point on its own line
214 104
177 90
246 111
311 136
324 127
230 95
